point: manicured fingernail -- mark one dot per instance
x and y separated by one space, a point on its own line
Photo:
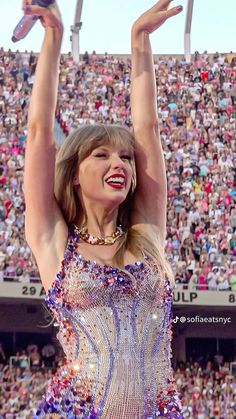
179 8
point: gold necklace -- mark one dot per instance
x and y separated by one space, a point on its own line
108 240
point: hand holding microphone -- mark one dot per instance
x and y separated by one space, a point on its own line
45 10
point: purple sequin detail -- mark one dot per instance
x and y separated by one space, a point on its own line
108 318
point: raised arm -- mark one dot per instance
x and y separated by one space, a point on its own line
42 212
151 192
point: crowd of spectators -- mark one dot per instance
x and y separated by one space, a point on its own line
197 119
206 385
207 389
24 376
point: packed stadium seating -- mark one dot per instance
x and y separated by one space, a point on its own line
196 106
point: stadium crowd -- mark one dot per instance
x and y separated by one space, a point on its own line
23 379
207 386
197 119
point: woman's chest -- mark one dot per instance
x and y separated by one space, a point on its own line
87 285
103 255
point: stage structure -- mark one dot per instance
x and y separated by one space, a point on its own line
187 33
75 29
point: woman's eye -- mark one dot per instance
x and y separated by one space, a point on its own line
125 156
100 155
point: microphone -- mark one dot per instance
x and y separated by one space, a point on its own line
28 21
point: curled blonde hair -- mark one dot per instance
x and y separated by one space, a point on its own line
79 145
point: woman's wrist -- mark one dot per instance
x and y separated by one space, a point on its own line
137 32
55 33
139 37
53 37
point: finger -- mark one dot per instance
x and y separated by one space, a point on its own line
174 11
35 10
162 5
26 3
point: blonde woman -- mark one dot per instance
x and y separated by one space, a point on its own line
95 221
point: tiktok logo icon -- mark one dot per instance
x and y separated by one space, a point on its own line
175 320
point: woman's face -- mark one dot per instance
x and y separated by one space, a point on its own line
105 176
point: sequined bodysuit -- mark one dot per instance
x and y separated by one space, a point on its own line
116 334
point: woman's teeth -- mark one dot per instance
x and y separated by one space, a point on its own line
119 180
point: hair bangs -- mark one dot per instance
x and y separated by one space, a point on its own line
104 135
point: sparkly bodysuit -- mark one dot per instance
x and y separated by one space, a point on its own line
116 334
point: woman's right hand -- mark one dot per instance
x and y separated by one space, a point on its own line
49 16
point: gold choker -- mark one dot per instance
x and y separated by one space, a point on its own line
108 240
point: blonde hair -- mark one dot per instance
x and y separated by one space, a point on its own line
76 147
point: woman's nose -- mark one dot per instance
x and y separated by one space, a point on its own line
117 161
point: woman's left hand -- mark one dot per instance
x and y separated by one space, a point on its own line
153 18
